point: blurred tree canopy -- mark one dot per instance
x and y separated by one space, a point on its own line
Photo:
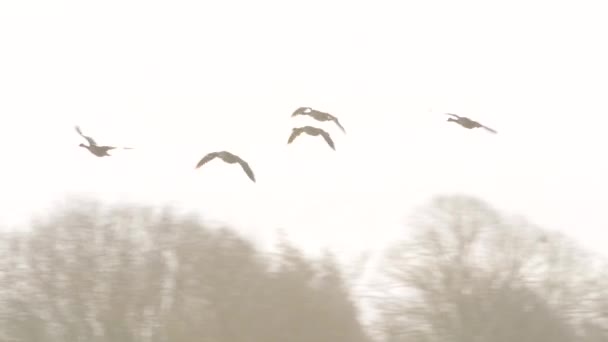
91 273
467 273
471 274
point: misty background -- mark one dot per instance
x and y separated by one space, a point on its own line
466 272
407 232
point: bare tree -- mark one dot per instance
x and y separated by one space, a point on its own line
471 274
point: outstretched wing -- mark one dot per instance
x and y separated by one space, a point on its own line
247 169
322 116
294 134
206 159
89 139
328 139
301 110
335 119
105 148
454 115
489 129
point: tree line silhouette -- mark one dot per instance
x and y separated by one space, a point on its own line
91 272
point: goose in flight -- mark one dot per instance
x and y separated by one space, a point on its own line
314 131
468 123
100 151
317 115
228 158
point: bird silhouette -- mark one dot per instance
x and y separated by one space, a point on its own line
310 130
468 123
228 158
317 115
99 151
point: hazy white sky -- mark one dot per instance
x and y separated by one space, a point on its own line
179 79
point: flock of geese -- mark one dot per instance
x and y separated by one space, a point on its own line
230 158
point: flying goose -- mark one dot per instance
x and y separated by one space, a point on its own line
314 131
228 158
317 115
468 123
100 151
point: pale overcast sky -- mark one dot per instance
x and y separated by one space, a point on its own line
178 79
